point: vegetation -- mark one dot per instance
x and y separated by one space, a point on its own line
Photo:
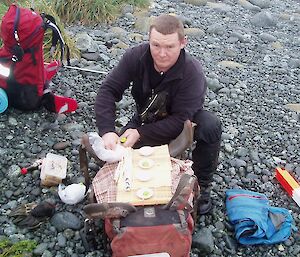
19 249
84 11
92 11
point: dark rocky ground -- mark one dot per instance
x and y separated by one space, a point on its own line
250 53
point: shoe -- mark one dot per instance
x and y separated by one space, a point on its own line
204 201
32 215
22 210
44 209
64 104
58 104
30 222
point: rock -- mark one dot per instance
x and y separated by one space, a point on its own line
196 2
91 56
40 249
220 7
213 84
264 19
230 64
267 37
203 241
118 32
194 32
217 29
14 171
137 37
142 22
85 43
247 5
261 3
61 145
65 220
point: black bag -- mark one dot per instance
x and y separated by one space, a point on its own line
155 109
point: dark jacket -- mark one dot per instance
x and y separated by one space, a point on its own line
185 83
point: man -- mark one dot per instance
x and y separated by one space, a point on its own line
168 86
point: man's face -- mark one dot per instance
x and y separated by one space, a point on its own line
165 49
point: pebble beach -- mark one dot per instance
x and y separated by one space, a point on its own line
250 52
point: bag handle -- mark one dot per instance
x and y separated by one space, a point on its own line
113 210
187 185
83 164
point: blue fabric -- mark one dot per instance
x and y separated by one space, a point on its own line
256 222
3 100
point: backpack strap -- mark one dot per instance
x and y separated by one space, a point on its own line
17 50
113 210
187 185
83 163
49 22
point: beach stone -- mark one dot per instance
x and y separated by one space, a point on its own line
248 5
231 64
203 241
85 43
61 145
264 19
261 3
65 220
40 249
219 6
196 2
195 32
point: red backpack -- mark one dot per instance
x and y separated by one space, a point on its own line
22 32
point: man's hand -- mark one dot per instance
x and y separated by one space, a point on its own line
132 136
110 140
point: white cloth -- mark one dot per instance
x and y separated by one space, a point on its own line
103 154
71 194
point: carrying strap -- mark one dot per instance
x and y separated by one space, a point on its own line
49 22
114 210
83 164
187 185
17 50
183 224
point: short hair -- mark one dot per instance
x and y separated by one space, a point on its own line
168 24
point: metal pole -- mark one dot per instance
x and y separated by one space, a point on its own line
83 69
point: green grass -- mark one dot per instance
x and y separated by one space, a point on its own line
3 9
92 11
19 249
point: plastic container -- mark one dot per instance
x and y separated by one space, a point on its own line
3 100
54 169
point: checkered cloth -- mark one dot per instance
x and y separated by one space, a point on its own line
105 188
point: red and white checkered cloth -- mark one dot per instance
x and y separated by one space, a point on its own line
105 188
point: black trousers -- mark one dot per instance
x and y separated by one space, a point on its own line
205 155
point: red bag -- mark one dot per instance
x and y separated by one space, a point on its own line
151 230
148 229
22 32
